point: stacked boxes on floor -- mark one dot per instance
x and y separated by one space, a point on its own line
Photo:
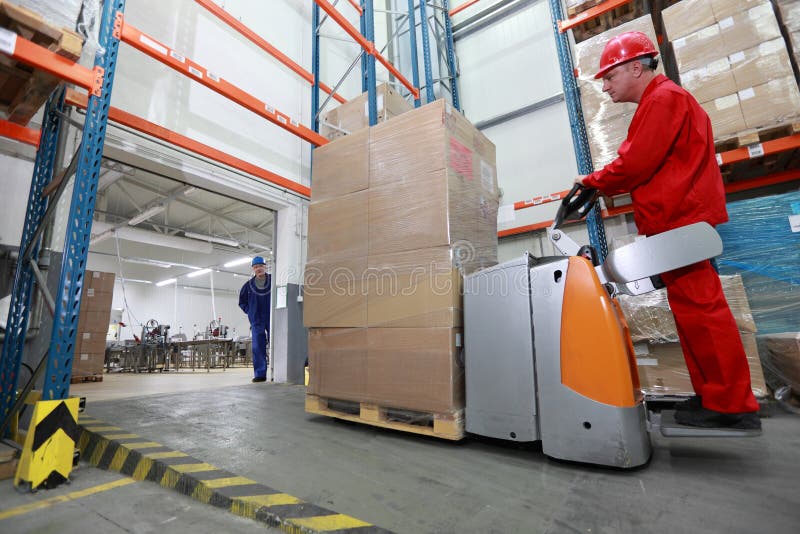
353 115
606 122
732 58
662 368
399 213
90 340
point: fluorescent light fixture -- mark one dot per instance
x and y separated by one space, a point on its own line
212 239
240 261
189 191
166 282
262 247
102 236
146 261
126 280
198 273
150 212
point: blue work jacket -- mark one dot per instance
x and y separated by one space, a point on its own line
256 303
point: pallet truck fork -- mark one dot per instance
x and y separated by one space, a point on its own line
548 355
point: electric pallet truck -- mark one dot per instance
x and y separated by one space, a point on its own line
548 356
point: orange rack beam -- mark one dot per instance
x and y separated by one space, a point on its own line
356 6
265 46
29 136
368 46
537 201
195 71
735 187
43 59
119 116
589 14
760 149
462 7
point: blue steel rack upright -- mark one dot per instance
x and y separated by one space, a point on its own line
580 140
58 370
440 17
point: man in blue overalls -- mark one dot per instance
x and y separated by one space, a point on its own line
255 301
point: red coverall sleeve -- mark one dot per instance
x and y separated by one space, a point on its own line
654 130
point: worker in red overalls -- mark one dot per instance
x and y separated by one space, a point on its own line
668 165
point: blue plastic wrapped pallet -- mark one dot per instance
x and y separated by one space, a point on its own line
762 244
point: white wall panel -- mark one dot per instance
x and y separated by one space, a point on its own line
509 64
17 175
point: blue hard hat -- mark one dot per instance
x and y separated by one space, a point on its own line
258 260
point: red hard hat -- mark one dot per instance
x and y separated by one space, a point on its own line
625 47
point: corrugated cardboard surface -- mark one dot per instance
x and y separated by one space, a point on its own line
725 114
764 62
405 368
335 293
340 167
669 375
339 226
769 103
415 288
688 16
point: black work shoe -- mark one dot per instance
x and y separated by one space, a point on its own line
260 379
691 404
706 418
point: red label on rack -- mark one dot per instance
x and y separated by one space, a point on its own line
460 158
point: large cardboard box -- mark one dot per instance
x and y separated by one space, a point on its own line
789 11
337 361
338 226
416 368
713 81
335 293
88 364
403 368
414 288
726 115
747 29
762 63
353 115
770 103
688 16
727 8
662 369
700 48
99 281
94 321
431 138
340 167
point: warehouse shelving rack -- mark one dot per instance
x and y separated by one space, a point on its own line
47 187
425 15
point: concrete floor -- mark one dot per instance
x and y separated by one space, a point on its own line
413 484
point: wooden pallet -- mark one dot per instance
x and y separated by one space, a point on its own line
755 136
23 90
440 425
85 378
606 21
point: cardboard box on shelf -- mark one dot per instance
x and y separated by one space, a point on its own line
726 115
747 29
663 372
713 81
762 63
335 293
698 49
338 226
340 167
416 288
727 8
789 11
688 16
770 103
353 115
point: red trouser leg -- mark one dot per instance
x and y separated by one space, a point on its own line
709 338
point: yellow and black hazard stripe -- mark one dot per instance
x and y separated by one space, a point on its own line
47 453
109 447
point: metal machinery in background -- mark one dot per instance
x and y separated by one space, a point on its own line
409 23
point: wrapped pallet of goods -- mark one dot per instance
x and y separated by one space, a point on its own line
732 57
353 115
789 13
662 368
93 323
399 213
606 122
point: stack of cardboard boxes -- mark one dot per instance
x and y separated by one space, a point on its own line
789 11
399 213
90 340
353 115
606 122
662 368
731 56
